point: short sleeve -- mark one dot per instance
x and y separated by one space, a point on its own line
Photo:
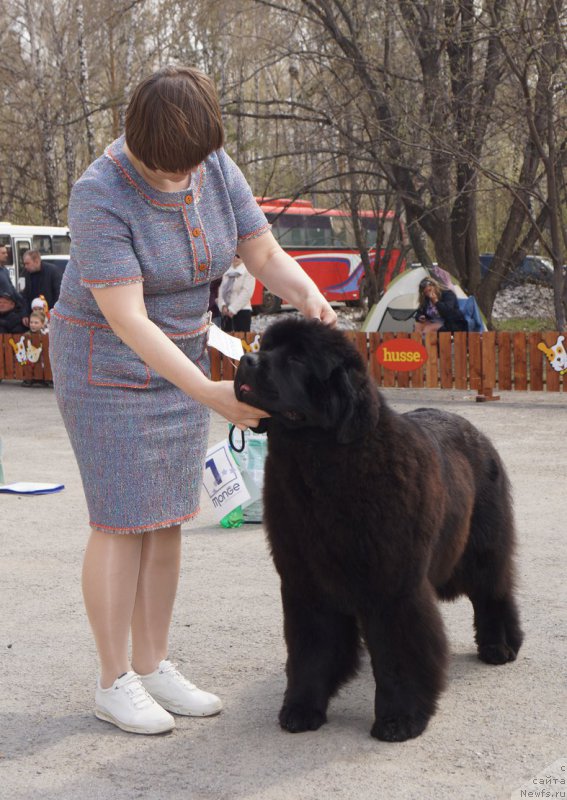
101 240
251 221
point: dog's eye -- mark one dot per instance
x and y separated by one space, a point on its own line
294 416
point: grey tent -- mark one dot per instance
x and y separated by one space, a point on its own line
395 309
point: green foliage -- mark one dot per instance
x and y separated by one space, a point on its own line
525 324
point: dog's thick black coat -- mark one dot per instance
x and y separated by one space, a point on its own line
370 516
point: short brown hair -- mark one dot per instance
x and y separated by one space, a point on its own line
35 255
37 312
173 120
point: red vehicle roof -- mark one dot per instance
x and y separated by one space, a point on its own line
287 206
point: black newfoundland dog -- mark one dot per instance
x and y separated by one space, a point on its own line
372 515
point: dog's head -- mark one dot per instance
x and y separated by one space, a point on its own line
308 376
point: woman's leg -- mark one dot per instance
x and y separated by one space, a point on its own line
157 585
427 327
155 595
110 579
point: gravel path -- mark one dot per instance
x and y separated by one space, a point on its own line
496 728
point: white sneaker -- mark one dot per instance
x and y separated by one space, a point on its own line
178 695
128 706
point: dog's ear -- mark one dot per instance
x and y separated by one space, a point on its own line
352 405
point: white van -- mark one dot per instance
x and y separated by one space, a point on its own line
47 239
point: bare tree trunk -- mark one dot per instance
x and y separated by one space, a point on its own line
459 20
84 79
416 237
112 76
69 149
70 154
44 118
422 23
394 240
539 115
552 161
130 26
370 280
239 118
49 164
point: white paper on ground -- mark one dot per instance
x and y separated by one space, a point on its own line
28 487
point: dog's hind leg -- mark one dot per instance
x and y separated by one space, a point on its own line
497 628
323 653
408 648
487 576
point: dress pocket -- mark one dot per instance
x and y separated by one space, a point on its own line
112 363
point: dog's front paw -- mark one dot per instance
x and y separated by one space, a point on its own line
398 729
297 718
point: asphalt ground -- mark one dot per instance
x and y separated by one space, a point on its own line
497 728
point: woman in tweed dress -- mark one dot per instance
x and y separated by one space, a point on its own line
153 221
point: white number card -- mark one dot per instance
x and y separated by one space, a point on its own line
227 345
223 480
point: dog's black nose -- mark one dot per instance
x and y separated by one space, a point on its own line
248 360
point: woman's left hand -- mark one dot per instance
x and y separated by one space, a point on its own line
316 307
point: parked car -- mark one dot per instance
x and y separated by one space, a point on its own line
533 269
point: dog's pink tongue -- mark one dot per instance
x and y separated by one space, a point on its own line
245 388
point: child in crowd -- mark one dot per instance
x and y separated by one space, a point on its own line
38 321
40 304
37 324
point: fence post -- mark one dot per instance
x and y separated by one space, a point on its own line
487 368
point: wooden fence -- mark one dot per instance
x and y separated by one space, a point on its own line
480 361
12 369
483 362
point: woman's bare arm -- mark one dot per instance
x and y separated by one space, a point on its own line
283 276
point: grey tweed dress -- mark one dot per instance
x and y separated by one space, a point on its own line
139 441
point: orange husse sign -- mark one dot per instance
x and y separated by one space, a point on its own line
401 355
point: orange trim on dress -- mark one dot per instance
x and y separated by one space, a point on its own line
153 526
254 234
81 322
189 334
84 324
199 278
189 236
138 188
132 278
111 383
205 245
202 172
130 179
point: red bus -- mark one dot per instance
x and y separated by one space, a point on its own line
323 242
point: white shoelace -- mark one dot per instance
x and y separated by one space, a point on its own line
137 693
171 670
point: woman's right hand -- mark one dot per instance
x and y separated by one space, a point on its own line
220 397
